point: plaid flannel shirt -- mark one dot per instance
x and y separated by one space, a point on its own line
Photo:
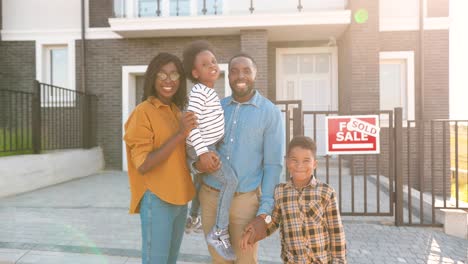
310 224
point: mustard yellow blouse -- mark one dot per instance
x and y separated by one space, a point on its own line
149 126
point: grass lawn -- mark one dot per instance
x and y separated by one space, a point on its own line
11 143
462 161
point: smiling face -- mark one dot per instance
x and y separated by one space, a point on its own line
165 85
301 163
242 73
205 68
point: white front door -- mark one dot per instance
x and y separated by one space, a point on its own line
310 75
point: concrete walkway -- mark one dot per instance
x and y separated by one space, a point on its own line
86 221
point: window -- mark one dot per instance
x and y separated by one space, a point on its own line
57 66
397 82
119 8
56 72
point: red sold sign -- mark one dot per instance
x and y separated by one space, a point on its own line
353 134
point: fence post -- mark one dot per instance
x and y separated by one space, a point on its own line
36 118
298 122
398 154
85 121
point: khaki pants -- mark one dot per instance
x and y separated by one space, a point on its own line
243 209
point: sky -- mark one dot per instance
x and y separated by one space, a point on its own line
458 59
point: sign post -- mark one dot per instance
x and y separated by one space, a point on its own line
353 134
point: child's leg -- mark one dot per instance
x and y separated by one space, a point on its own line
191 158
195 207
227 177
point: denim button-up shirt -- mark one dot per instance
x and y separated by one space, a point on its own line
254 146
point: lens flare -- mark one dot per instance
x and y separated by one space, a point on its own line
361 16
82 240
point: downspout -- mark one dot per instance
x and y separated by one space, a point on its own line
86 135
421 59
421 115
83 47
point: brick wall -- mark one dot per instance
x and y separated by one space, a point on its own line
344 73
436 105
99 12
436 74
105 59
361 43
436 67
404 41
255 43
17 65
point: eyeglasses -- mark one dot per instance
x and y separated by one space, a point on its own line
173 76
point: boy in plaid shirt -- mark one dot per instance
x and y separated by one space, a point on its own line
305 211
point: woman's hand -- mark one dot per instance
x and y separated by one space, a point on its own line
188 122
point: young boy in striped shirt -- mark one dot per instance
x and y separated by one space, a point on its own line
305 211
202 69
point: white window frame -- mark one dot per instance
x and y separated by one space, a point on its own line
311 50
43 48
408 58
129 75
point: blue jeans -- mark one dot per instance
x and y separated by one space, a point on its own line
162 227
228 179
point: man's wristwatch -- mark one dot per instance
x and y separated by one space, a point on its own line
267 218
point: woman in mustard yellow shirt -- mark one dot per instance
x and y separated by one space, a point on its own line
160 183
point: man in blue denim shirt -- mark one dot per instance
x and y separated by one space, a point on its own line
254 146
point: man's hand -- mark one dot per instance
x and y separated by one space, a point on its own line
208 162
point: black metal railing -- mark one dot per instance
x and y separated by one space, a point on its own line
15 122
291 111
436 165
48 118
154 8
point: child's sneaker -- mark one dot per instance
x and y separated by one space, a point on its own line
219 240
193 224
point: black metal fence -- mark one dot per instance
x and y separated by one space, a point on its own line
433 170
422 165
16 122
48 118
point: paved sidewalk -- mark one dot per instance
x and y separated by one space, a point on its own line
86 221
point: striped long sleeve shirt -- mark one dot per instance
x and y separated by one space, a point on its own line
204 102
310 224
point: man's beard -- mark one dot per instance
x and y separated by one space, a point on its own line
240 94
